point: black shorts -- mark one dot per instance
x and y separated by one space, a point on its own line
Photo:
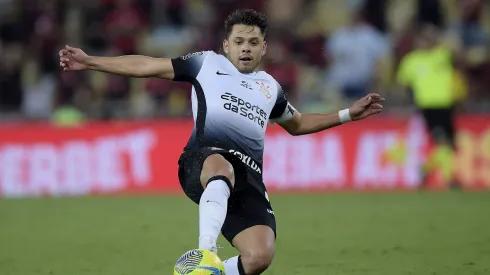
440 124
247 206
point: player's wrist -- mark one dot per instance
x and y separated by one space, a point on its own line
344 116
91 63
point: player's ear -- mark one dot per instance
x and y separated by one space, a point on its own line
225 46
264 48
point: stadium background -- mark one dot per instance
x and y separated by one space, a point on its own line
84 134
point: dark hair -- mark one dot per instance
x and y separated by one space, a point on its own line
247 17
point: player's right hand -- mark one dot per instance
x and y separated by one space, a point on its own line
73 59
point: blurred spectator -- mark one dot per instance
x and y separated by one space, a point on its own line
38 91
281 68
374 12
124 24
430 12
349 41
11 62
67 115
470 29
354 52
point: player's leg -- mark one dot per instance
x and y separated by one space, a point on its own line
449 149
430 119
217 179
257 247
441 155
448 126
251 228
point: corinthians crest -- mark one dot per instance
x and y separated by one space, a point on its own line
265 89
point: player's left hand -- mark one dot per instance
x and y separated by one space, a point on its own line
366 106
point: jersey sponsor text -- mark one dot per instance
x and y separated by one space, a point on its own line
245 109
247 160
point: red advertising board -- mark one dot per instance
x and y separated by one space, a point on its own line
141 157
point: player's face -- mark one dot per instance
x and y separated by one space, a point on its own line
427 37
245 47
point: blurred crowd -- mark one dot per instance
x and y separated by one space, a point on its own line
325 53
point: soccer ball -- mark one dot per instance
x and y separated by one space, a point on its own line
199 262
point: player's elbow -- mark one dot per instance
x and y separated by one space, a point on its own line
292 130
293 126
296 129
295 132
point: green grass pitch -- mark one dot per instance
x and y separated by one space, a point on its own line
415 233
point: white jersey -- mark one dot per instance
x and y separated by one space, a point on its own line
231 110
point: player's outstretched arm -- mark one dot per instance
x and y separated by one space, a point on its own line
303 124
74 59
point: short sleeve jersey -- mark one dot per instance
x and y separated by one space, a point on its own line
231 110
429 73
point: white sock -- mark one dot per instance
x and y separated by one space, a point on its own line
231 266
212 213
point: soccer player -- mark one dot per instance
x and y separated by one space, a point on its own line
220 168
429 73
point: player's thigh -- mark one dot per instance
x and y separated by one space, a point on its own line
447 122
257 248
440 124
216 165
191 167
430 118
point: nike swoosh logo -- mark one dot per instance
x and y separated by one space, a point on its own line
214 202
212 269
220 73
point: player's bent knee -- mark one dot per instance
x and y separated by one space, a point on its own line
256 261
215 167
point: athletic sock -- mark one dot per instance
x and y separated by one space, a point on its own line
233 266
212 213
